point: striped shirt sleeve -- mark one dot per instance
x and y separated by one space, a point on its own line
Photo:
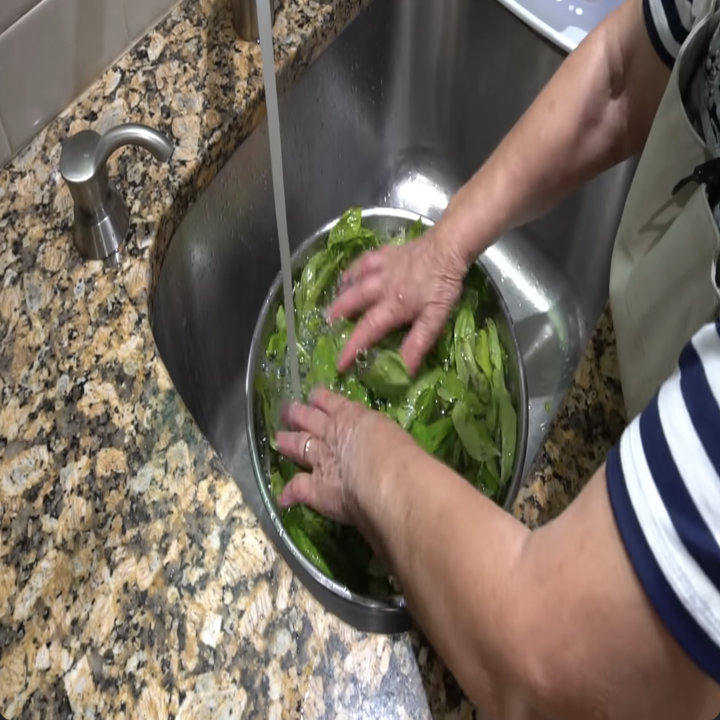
668 24
664 486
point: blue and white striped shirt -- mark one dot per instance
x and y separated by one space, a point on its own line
669 23
664 475
664 486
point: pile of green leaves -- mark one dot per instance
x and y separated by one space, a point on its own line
457 407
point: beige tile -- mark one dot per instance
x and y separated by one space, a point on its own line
56 51
5 153
141 15
12 10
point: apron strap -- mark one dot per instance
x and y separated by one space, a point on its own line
702 8
708 174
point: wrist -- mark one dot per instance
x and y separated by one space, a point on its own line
470 224
385 497
464 232
380 451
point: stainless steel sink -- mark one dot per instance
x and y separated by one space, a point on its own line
400 110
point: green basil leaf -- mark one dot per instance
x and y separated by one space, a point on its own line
482 353
415 230
474 437
270 398
432 437
346 228
277 345
494 348
277 484
288 469
477 280
465 365
312 523
487 480
323 368
317 276
425 406
507 421
349 239
386 375
354 390
408 233
280 319
451 389
470 299
343 329
420 398
464 340
444 351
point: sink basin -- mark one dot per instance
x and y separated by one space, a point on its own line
398 111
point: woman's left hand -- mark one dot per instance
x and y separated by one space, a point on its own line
336 441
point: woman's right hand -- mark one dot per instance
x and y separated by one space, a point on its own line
415 284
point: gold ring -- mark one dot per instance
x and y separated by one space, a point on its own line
305 450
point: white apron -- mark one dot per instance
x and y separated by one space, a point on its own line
662 278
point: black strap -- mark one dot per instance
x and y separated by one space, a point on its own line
708 174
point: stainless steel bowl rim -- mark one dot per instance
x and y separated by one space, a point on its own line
397 603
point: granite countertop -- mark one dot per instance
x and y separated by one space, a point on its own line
134 581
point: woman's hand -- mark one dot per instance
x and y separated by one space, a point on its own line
337 441
418 284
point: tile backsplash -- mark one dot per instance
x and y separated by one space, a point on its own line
51 51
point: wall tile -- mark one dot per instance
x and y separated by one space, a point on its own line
5 152
13 10
56 51
141 15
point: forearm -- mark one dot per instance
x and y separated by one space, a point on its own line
454 552
552 623
595 112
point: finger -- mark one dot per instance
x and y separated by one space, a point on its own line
306 490
367 264
299 417
300 490
419 341
327 402
301 447
356 298
378 322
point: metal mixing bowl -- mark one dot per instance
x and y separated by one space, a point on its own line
364 613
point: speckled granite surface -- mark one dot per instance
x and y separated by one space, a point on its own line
134 582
